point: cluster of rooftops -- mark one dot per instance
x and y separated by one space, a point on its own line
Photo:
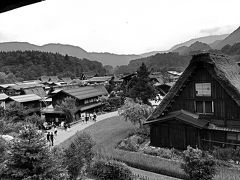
45 87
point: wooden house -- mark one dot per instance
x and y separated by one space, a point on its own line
30 101
3 98
202 108
87 100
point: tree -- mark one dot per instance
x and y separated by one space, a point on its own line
67 74
15 112
140 87
79 155
135 112
35 120
198 165
29 157
68 106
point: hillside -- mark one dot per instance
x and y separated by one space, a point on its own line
75 51
33 64
206 39
233 38
158 62
196 47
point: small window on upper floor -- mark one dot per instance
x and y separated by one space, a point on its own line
203 89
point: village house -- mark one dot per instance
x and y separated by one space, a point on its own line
3 98
87 101
30 101
202 108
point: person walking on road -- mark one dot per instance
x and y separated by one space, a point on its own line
51 137
55 131
95 116
48 136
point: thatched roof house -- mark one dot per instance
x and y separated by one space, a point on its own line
209 91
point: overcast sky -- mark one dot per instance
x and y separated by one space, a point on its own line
119 26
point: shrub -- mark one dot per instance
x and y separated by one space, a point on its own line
227 154
161 152
29 157
112 103
109 170
131 144
198 165
79 154
224 154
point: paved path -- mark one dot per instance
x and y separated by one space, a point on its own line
63 135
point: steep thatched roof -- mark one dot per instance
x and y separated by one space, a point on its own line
221 67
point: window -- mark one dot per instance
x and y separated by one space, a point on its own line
203 89
204 107
233 136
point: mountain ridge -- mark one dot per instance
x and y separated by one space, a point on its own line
231 39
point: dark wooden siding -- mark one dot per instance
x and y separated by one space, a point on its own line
226 112
174 134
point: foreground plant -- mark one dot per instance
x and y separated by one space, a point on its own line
198 165
29 157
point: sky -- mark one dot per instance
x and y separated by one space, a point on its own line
119 26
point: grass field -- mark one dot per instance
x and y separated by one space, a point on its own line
109 132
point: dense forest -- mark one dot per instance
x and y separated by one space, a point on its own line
158 62
27 65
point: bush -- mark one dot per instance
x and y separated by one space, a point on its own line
112 103
109 170
162 152
131 144
198 165
227 154
78 155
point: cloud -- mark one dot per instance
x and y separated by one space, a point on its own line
218 30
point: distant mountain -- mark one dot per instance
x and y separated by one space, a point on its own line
152 53
112 59
158 62
206 39
182 50
196 47
231 39
75 51
214 44
28 65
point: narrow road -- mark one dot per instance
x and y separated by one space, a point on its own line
63 135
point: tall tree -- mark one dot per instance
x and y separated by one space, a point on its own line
140 86
29 157
134 112
68 106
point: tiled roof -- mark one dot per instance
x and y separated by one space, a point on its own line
187 117
3 96
36 90
86 92
6 85
100 79
90 106
217 128
26 98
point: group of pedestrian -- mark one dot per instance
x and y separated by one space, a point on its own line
89 116
50 138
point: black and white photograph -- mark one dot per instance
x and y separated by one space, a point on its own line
119 90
